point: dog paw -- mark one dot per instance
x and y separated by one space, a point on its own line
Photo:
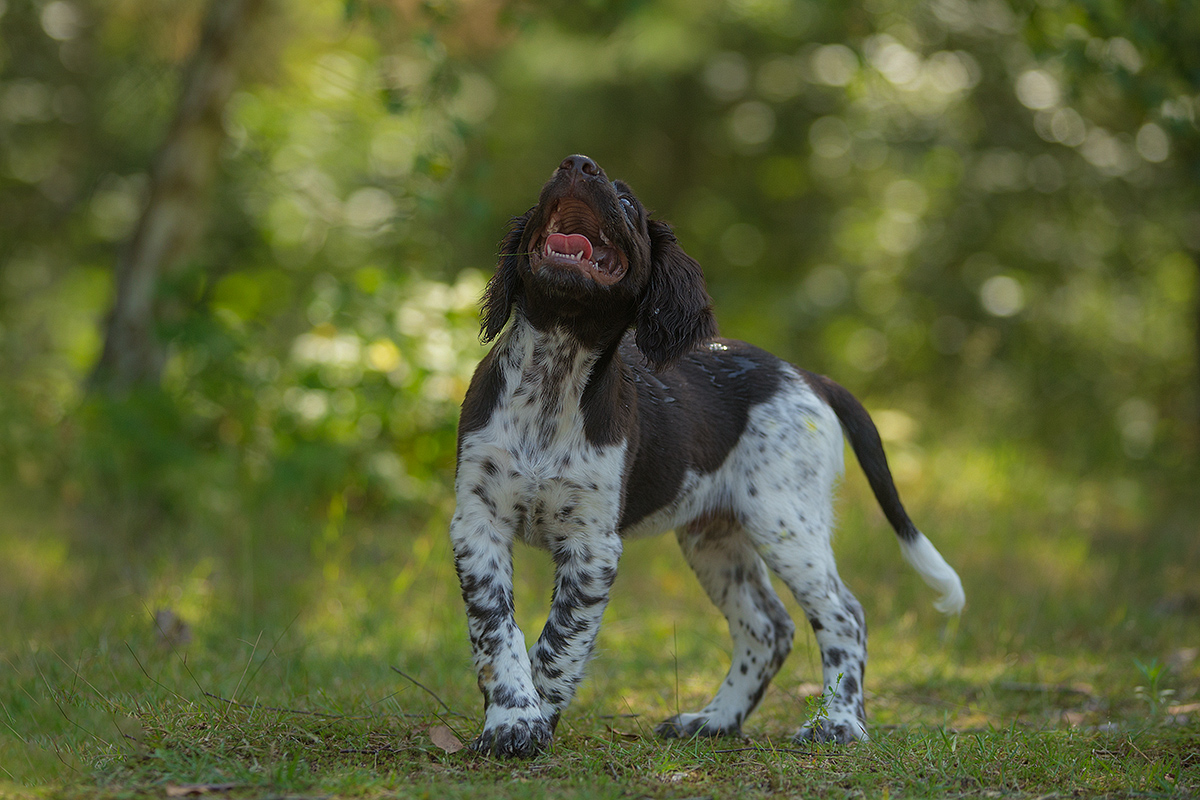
685 726
831 731
520 739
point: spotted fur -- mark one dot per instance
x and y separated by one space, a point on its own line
576 434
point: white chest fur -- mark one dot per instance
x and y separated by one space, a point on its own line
530 468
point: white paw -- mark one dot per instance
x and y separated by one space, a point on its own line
839 730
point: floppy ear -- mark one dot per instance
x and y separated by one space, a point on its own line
675 311
502 289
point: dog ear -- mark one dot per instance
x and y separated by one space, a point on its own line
502 289
675 312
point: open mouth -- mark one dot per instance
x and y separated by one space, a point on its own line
573 239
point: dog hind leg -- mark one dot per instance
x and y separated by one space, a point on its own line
803 558
737 581
784 481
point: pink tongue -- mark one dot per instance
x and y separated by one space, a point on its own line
571 243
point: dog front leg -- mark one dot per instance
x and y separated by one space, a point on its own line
585 567
514 725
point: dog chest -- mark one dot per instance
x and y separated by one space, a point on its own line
537 477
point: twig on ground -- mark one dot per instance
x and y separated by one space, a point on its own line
322 714
254 706
792 750
420 685
1046 688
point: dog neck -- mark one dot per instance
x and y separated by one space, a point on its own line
567 378
552 363
550 372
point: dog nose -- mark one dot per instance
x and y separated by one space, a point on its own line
580 165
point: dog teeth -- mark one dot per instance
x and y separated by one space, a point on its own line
571 256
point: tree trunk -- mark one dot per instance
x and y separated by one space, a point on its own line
176 208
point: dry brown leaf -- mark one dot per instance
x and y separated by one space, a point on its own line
170 628
630 737
444 738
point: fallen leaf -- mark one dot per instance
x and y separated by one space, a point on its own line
444 738
631 737
171 630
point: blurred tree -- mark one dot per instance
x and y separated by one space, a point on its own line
1134 69
311 339
977 213
175 210
895 192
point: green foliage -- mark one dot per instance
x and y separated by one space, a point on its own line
981 217
317 343
900 194
1152 692
963 210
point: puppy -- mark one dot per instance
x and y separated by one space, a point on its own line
577 433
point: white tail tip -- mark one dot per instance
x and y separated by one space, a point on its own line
934 570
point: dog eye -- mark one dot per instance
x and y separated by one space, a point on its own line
627 204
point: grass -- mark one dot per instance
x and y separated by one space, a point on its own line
263 655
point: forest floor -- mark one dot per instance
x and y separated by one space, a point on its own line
306 654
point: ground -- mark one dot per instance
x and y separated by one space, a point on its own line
278 660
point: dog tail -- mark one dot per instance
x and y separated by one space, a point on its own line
918 551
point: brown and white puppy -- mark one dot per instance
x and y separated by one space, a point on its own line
576 434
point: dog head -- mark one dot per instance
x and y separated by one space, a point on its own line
589 259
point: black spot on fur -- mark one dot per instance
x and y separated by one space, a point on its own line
833 657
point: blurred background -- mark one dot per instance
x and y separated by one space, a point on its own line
242 244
